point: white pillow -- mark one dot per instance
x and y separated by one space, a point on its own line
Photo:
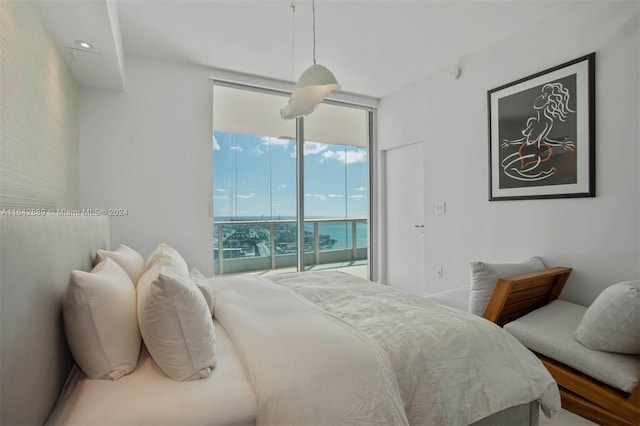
166 251
129 259
485 275
205 287
100 321
175 323
612 322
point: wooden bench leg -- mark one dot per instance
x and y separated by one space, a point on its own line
588 410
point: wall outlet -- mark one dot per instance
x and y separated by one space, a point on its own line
439 271
441 207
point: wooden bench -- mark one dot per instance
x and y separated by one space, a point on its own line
515 297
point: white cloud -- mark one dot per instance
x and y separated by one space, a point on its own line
220 197
283 143
257 151
312 148
221 190
348 157
360 188
356 197
246 197
335 196
216 145
236 148
320 197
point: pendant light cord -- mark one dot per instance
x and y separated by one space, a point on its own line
313 9
293 38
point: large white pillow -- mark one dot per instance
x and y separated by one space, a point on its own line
129 259
612 322
100 321
175 322
485 275
205 286
166 251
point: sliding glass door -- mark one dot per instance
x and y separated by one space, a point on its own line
336 164
254 180
255 196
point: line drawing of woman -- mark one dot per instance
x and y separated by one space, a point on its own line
536 147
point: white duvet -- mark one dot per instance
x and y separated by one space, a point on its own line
354 352
307 367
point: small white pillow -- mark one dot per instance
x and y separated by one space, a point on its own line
175 323
485 275
205 287
100 321
165 250
129 259
612 322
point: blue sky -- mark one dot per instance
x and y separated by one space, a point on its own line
335 178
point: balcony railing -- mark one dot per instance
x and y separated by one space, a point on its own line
252 245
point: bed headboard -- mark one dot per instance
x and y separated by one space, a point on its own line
37 255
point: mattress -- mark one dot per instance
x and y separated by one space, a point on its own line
148 397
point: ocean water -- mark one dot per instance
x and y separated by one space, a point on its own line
341 232
338 231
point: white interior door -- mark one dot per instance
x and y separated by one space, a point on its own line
405 217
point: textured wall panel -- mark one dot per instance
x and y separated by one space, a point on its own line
39 115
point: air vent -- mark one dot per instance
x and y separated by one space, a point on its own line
84 56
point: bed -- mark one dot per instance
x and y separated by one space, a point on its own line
338 362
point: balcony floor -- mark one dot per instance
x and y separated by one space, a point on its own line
359 268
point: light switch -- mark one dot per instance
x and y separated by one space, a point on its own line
441 207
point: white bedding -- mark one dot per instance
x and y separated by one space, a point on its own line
338 356
307 367
451 367
148 397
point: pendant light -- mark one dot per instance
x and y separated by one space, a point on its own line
312 86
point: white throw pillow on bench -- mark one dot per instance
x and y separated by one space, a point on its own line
485 275
612 322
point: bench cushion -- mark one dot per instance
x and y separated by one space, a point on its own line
549 331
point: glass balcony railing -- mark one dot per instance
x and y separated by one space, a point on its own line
254 245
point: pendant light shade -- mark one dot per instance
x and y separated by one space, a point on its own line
312 87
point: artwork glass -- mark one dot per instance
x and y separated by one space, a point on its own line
541 135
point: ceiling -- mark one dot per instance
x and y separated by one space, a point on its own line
373 47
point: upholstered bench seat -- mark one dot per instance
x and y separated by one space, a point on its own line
550 331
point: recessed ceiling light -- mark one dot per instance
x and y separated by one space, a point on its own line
84 44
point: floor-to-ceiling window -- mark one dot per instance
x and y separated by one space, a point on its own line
255 186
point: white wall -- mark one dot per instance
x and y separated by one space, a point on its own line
39 119
598 237
149 150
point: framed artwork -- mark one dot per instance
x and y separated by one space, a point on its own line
542 134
